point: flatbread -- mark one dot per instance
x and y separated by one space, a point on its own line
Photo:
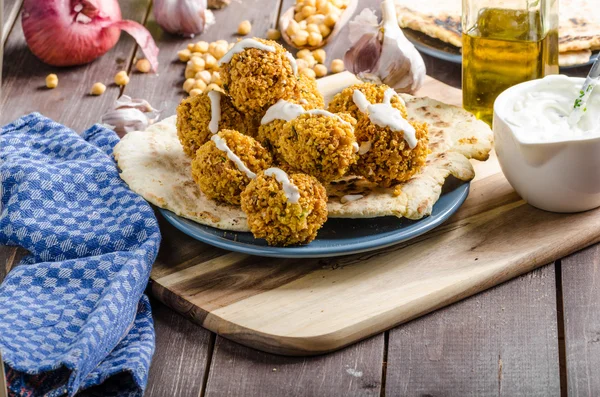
573 58
579 22
154 165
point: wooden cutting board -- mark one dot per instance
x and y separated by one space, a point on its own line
311 306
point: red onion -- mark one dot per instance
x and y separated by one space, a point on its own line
75 32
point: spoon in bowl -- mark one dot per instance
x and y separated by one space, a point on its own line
580 105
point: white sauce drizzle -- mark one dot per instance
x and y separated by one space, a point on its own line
350 197
282 110
385 115
222 145
241 45
364 147
289 189
321 112
290 57
215 111
356 147
303 101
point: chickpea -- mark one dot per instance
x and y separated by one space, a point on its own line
222 42
196 92
316 19
98 89
308 72
51 80
320 4
312 28
337 66
190 47
220 51
302 54
273 34
199 84
324 30
301 63
311 3
331 20
301 38
188 85
320 70
201 46
319 55
325 8
213 87
216 78
337 3
302 25
121 78
189 72
210 61
184 55
244 28
298 17
205 76
292 28
308 11
197 64
315 39
310 60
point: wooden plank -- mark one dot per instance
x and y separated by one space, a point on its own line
501 342
164 90
10 11
181 357
581 304
24 89
237 370
9 257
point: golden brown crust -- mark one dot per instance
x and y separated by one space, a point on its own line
342 101
193 117
320 146
307 94
390 160
256 79
218 177
272 217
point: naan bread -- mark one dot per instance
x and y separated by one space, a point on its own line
573 58
579 22
153 165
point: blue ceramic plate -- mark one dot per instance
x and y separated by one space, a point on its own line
338 236
447 52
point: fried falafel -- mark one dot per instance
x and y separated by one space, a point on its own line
343 101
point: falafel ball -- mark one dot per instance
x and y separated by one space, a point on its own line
272 216
193 118
218 176
307 94
320 144
385 157
255 78
343 102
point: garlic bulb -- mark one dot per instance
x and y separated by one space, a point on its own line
130 115
381 53
184 17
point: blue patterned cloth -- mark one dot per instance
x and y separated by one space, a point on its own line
73 314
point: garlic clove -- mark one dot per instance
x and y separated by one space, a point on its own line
398 63
183 17
130 115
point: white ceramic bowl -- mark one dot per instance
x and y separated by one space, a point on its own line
561 176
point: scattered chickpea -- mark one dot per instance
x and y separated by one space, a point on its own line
331 20
213 87
121 78
143 65
244 28
188 85
216 78
210 61
219 51
320 70
319 55
310 60
197 64
302 53
190 47
315 39
98 89
201 46
51 80
337 66
199 84
189 72
195 92
204 76
184 55
308 72
301 63
273 34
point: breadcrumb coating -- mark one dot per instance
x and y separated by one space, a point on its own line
217 176
307 93
390 160
342 101
272 217
194 115
318 145
256 79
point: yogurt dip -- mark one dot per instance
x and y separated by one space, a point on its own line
540 111
553 165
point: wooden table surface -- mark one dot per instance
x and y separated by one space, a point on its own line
537 335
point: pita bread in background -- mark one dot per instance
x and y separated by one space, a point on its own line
153 164
573 58
579 22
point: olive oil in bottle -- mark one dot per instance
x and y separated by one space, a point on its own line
503 48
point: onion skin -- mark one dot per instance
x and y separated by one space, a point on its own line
76 32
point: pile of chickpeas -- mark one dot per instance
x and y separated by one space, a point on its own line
312 63
202 71
314 20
